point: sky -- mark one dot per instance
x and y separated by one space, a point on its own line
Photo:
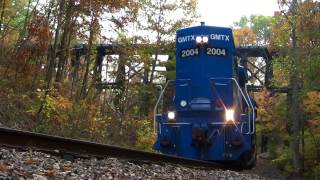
225 12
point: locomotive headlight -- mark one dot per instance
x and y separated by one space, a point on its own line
171 115
202 39
205 39
183 103
229 115
198 39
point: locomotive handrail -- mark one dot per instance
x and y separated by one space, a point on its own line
244 97
177 123
156 107
249 129
253 112
219 123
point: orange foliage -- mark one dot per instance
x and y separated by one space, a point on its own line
244 36
311 105
308 24
38 40
267 111
63 102
39 35
35 45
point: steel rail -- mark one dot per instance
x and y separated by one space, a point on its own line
24 139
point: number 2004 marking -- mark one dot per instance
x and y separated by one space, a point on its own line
216 51
189 52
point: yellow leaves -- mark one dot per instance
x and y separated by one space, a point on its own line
270 111
145 134
308 23
311 105
312 102
63 102
280 36
244 36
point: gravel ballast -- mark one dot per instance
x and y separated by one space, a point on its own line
37 165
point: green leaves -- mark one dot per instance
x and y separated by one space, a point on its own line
260 26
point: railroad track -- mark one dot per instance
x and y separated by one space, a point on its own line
42 142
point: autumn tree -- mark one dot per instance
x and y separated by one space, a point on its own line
254 30
295 109
51 86
244 36
157 19
298 52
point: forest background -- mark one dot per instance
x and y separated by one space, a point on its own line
45 88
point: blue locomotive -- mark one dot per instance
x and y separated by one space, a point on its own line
212 117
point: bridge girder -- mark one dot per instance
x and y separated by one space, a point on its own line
243 53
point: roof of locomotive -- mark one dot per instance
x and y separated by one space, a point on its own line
203 25
206 30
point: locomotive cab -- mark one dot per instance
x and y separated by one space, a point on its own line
208 120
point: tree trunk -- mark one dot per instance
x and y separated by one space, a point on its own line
64 43
146 74
52 53
49 9
36 73
83 92
295 111
26 20
121 75
153 67
75 72
51 59
3 7
1 32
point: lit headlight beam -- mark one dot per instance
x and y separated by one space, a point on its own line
229 115
198 39
171 115
205 39
202 39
